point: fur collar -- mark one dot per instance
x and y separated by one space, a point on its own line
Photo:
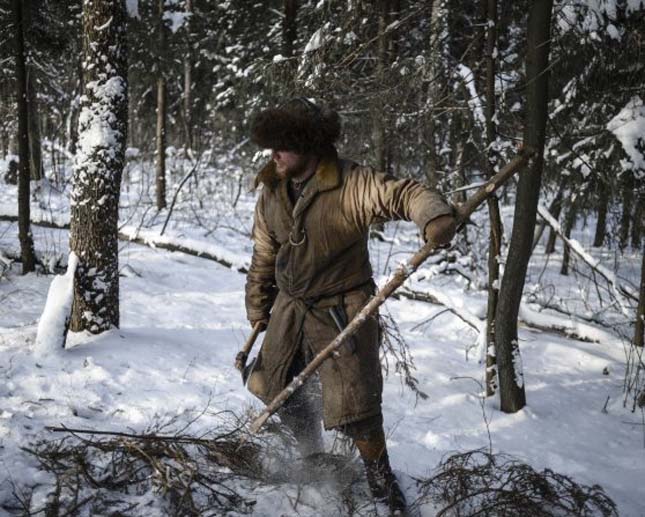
328 175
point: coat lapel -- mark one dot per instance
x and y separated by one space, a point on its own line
327 177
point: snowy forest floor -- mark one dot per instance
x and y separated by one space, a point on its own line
183 321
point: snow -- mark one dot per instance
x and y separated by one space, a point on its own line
628 126
315 42
175 19
52 327
132 7
474 102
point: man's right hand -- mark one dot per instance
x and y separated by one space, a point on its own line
263 324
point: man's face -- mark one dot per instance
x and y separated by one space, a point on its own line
289 164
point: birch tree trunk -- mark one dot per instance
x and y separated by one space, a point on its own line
511 378
99 165
24 230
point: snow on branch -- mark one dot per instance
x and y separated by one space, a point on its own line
619 291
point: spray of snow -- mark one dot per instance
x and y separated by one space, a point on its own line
52 326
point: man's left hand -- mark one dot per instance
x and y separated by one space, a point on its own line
441 230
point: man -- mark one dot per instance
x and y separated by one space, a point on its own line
310 274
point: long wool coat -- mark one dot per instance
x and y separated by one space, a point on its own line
313 256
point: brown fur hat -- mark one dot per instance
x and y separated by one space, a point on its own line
296 125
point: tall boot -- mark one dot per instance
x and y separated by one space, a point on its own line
380 478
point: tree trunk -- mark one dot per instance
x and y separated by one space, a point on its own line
379 118
496 229
511 379
35 150
569 223
437 18
99 166
161 111
640 311
289 27
603 205
188 72
24 231
626 217
639 220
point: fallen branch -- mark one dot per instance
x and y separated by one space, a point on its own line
616 288
188 246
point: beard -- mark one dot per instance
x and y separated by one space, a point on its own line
293 170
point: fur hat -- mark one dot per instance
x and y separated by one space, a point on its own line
296 125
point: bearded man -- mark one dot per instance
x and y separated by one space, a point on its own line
310 274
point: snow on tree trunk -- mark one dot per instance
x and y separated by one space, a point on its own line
99 166
54 322
511 384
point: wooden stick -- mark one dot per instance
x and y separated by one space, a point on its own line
398 277
242 355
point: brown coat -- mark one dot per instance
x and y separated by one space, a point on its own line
313 256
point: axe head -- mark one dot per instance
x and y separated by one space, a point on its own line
247 370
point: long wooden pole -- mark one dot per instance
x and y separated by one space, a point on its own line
398 277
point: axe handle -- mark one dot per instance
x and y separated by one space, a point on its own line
396 280
240 359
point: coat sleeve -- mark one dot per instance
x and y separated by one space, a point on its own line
260 288
372 197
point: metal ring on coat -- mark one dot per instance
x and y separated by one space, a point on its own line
301 241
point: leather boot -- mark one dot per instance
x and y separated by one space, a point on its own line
380 478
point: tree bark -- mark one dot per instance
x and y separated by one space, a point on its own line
289 27
161 111
434 60
603 205
24 229
188 72
626 217
496 229
569 223
511 379
35 149
379 109
639 328
99 166
639 218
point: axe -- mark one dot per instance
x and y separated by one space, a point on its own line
242 355
401 274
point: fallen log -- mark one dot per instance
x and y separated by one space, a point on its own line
148 238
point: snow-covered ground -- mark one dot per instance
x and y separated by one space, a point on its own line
182 322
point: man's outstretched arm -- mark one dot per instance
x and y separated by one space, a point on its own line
373 197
